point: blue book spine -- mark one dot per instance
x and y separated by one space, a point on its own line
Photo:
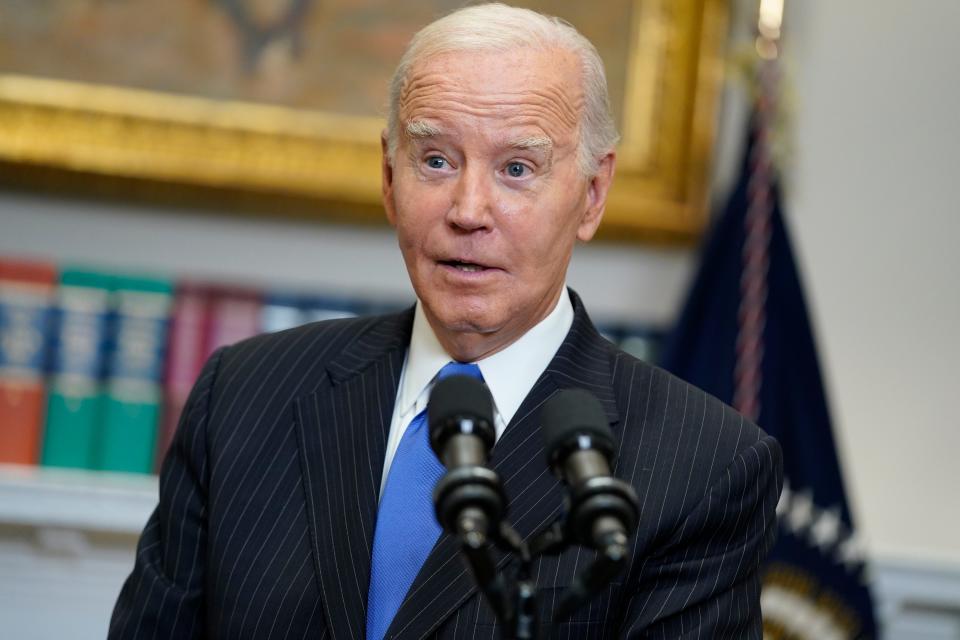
281 311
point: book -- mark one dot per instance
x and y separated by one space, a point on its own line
317 308
75 390
205 318
234 315
185 356
26 325
281 311
131 405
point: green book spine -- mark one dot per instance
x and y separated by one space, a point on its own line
131 408
129 437
75 397
73 413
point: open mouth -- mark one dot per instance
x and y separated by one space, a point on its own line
468 267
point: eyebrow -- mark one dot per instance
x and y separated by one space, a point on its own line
541 143
418 129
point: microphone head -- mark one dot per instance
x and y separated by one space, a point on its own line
460 404
574 419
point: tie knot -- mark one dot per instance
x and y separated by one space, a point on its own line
460 369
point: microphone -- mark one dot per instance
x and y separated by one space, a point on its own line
469 498
602 511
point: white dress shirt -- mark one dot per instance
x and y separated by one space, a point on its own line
510 373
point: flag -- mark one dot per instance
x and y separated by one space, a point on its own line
745 337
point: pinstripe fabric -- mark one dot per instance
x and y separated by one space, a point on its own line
269 494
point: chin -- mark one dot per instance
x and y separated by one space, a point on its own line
463 316
468 323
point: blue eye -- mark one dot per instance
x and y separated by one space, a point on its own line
436 162
516 169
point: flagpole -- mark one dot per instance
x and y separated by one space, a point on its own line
751 316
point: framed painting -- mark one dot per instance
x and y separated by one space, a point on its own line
280 103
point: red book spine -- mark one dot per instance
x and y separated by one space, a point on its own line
204 319
234 316
26 327
185 357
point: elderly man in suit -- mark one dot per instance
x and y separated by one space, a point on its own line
295 500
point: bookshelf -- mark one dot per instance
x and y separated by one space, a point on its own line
75 499
67 543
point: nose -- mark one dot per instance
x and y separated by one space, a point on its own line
473 201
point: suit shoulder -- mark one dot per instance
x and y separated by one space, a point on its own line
309 347
678 442
261 377
688 413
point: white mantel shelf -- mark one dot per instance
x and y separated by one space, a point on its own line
76 499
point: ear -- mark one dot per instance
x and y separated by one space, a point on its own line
597 191
386 180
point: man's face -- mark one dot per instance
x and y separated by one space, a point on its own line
486 193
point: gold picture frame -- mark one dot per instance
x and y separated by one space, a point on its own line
71 133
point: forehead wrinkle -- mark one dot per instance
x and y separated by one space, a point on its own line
545 116
438 90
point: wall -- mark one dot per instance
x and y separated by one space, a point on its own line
873 205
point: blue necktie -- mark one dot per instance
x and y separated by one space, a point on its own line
407 527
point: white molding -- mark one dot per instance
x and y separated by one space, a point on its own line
76 499
917 599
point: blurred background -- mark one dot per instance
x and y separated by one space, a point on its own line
177 177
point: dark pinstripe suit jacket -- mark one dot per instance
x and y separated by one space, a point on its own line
268 499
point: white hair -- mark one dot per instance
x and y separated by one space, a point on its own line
498 27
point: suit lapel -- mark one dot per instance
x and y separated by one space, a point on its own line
342 433
535 495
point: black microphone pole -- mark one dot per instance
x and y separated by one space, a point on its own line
601 511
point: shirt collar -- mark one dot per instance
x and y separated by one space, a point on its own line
509 373
425 358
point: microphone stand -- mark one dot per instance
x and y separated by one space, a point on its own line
470 502
515 604
611 558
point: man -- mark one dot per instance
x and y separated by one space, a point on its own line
293 501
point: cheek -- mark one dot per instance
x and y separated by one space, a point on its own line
418 204
544 251
420 236
539 231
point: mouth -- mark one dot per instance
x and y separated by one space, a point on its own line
464 266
